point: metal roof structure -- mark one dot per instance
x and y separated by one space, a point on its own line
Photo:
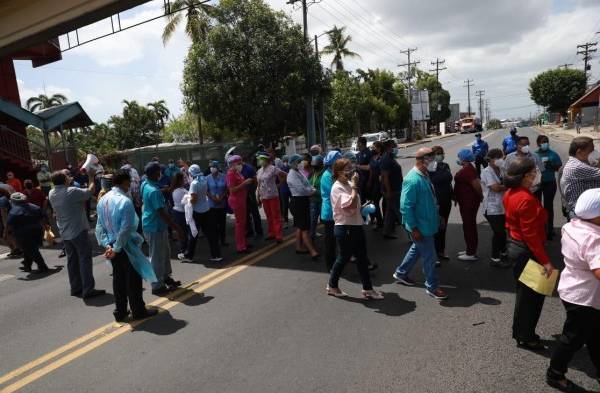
70 115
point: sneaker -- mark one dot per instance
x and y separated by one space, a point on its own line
404 280
183 258
215 260
462 253
438 294
438 263
467 257
495 262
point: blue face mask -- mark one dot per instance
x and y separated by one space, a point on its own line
544 146
459 162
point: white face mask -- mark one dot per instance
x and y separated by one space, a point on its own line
239 167
499 162
525 149
214 170
432 166
594 158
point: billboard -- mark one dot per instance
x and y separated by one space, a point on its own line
420 105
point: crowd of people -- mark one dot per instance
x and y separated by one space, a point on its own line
514 186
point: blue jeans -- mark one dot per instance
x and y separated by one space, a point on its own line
426 250
315 213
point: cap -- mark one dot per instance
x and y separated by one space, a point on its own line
195 170
18 197
214 164
295 158
332 157
232 160
587 206
466 155
262 155
350 156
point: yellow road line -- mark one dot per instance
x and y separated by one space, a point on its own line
102 336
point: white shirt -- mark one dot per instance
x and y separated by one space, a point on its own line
492 200
178 195
298 184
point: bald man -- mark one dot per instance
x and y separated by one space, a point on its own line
421 219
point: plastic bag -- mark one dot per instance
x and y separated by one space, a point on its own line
49 237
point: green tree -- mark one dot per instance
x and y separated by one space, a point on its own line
439 99
494 124
344 103
42 101
197 25
161 112
252 72
557 89
338 47
184 128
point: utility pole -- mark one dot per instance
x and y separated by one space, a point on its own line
437 63
323 136
468 84
310 106
480 94
488 114
586 50
409 64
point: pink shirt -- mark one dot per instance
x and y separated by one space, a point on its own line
581 252
344 212
236 199
267 186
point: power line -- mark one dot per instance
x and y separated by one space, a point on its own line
469 83
401 39
480 94
437 63
586 51
409 65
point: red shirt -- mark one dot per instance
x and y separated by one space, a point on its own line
526 221
35 196
15 183
464 192
236 199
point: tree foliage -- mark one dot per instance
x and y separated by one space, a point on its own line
494 124
557 89
338 47
43 101
252 72
184 128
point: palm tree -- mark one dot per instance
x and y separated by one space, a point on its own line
161 112
338 43
42 101
197 25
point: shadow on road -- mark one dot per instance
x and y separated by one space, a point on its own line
162 325
100 301
392 305
35 275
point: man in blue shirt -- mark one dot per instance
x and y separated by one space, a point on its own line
480 149
116 232
551 163
509 144
155 221
421 219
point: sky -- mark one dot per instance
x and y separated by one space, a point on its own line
500 45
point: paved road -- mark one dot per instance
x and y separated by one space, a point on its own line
265 325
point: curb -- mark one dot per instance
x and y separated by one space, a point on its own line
562 135
426 140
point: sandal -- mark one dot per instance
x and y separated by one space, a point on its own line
372 295
335 292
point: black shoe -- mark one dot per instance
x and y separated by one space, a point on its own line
121 317
62 254
150 312
15 254
94 293
76 293
26 269
561 383
535 345
172 283
160 291
373 266
43 269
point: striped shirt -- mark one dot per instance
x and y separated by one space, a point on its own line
577 177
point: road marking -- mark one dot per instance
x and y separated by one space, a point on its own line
104 334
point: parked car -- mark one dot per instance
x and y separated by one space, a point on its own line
372 137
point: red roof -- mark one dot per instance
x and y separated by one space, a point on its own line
588 99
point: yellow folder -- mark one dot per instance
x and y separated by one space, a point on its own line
534 276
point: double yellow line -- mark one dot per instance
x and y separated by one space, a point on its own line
67 353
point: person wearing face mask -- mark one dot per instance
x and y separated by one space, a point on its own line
480 149
441 178
315 199
326 211
268 196
300 207
171 169
526 225
304 168
391 175
217 199
524 150
468 194
34 194
238 188
580 172
12 181
551 163
421 219
493 209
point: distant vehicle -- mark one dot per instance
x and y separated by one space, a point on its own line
470 124
372 137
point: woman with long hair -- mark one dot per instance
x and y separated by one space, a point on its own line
525 220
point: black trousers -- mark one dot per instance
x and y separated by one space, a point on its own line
582 326
546 195
480 162
179 218
351 241
30 245
127 286
496 222
329 244
219 217
445 206
392 213
528 303
377 217
253 222
284 205
204 222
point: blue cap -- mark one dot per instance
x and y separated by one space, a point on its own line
151 168
214 164
195 170
466 155
332 157
295 158
350 156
